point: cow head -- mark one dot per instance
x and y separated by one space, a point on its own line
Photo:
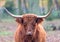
29 23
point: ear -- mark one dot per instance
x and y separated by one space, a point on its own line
19 20
39 20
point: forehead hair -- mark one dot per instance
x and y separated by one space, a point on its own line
29 17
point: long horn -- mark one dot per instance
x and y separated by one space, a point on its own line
49 12
15 16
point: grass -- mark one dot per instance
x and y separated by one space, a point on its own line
7 20
51 32
5 33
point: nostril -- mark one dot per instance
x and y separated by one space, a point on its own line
29 35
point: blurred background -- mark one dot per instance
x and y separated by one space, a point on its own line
38 7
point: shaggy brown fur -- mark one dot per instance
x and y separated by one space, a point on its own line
32 22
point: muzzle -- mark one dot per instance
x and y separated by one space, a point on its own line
29 34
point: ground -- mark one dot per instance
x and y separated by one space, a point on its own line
7 29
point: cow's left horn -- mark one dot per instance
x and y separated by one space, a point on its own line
49 12
15 16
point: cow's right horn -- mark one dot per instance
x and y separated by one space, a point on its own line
15 16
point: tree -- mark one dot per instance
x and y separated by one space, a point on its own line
57 6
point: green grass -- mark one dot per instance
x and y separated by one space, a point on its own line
7 20
5 33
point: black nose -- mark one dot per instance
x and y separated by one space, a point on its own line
29 34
